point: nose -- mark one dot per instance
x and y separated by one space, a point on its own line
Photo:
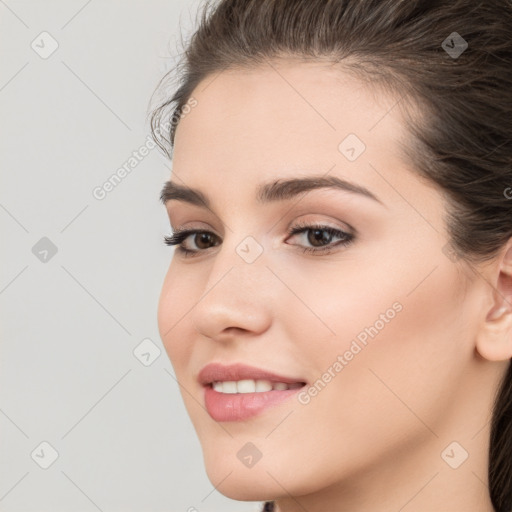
237 296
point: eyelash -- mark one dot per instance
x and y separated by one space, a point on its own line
179 236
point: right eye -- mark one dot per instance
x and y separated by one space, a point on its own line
179 237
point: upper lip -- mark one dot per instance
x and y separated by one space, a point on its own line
215 372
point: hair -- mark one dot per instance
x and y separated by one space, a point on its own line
457 107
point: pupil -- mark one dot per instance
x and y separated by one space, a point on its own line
319 236
203 237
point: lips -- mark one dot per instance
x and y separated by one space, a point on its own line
241 406
215 372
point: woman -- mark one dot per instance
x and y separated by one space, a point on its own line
338 310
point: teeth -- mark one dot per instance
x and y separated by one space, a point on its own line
251 386
229 387
263 385
245 386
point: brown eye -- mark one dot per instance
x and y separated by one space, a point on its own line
320 237
202 238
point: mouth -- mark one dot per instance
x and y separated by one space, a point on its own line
239 392
247 386
241 378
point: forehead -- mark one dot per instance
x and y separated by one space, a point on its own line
254 125
284 108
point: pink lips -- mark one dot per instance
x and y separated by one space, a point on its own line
241 406
217 372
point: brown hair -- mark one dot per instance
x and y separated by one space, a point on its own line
450 65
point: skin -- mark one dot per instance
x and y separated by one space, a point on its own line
373 437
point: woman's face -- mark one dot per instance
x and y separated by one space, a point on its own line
380 329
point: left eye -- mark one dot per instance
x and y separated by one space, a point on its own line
318 234
322 235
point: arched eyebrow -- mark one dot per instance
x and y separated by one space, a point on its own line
279 190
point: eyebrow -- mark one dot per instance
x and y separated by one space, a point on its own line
268 192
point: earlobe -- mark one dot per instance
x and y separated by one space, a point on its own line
496 313
494 339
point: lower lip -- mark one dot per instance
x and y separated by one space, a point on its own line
241 406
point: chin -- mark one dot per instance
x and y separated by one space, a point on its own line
243 483
266 480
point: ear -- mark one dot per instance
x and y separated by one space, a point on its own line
494 338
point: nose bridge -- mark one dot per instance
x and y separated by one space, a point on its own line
244 246
241 260
237 291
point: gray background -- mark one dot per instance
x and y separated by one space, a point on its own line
70 321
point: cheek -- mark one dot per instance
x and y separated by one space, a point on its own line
175 302
402 349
